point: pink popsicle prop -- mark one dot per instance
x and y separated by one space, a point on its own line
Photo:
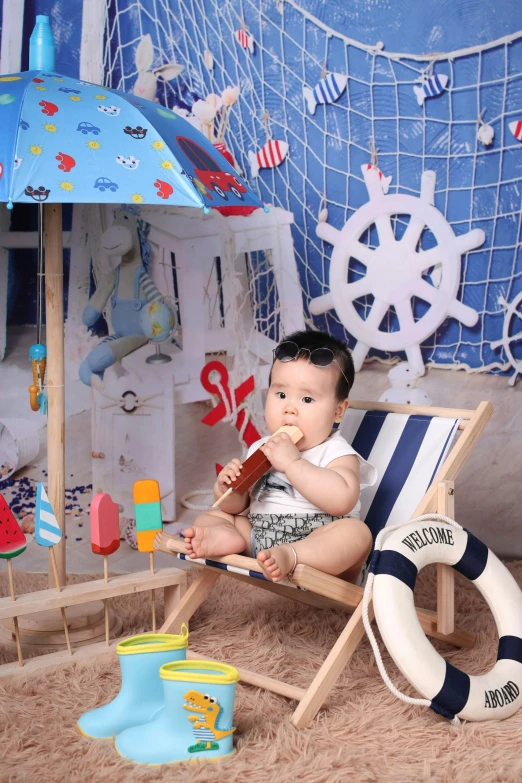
105 524
105 537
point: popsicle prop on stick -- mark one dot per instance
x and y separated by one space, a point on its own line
47 533
105 537
256 466
12 543
147 514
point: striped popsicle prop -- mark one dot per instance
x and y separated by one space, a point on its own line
47 533
46 528
147 513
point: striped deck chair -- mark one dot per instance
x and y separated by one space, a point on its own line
418 453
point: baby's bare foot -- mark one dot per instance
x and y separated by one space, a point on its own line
213 541
277 562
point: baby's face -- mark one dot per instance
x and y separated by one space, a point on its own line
304 395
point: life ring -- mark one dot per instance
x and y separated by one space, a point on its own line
446 689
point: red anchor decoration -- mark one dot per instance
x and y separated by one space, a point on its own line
218 413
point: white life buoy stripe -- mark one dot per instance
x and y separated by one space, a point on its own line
452 692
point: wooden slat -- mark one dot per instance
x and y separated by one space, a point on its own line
191 601
301 596
101 652
457 457
329 672
80 656
351 595
422 410
327 585
71 595
258 680
313 581
446 574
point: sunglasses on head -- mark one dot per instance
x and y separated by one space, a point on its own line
287 351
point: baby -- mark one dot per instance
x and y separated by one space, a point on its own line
306 508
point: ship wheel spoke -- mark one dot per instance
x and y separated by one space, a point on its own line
429 258
425 291
359 288
405 314
413 233
384 230
362 253
377 313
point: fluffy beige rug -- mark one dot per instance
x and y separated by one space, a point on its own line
365 735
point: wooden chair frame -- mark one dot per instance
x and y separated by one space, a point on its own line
325 591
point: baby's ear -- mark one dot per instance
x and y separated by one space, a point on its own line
341 410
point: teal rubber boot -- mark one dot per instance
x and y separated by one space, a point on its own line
141 693
196 722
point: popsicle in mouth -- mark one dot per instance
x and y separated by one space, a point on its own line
105 524
257 465
147 513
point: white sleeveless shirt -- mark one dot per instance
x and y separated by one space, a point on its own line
273 493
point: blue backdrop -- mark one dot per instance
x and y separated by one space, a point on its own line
470 186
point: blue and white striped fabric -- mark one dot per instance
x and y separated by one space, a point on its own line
225 567
407 450
46 528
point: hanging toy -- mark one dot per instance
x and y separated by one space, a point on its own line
272 154
37 397
244 39
385 181
516 129
208 59
485 133
38 351
328 90
431 84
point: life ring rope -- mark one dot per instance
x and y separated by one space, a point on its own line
368 590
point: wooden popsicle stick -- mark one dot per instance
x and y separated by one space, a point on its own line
222 498
66 629
106 605
18 645
55 569
10 575
105 569
153 594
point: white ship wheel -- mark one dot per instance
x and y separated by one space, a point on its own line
509 335
394 271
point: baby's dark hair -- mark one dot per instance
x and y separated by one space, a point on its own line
310 340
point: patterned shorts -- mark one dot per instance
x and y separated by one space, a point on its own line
270 530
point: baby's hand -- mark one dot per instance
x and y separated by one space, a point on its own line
228 474
281 451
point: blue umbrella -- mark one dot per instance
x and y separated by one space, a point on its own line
66 140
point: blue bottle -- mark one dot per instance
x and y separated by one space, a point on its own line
42 55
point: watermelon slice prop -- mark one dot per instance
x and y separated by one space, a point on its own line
12 543
12 538
47 533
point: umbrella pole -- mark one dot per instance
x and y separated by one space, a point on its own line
55 376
